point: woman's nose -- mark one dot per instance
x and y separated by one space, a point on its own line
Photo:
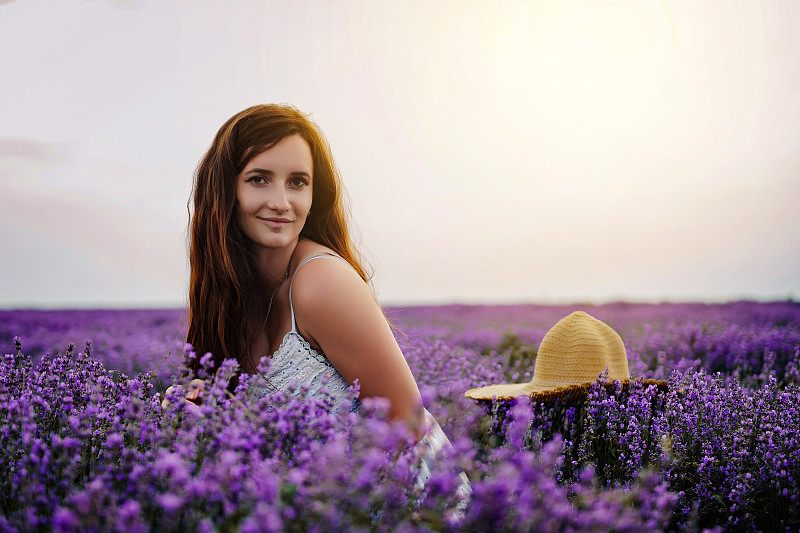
277 200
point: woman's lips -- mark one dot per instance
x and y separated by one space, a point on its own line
275 222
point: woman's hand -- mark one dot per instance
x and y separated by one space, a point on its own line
193 398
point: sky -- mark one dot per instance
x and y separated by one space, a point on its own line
544 151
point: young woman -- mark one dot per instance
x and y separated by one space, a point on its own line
274 272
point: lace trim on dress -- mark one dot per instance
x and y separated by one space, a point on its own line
319 356
296 362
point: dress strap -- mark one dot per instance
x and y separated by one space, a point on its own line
325 255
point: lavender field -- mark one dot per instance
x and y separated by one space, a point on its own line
85 444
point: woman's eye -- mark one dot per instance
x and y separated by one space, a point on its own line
258 180
298 182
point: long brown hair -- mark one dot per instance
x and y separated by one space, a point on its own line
222 284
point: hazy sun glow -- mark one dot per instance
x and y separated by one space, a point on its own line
604 62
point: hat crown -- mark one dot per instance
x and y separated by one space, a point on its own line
576 350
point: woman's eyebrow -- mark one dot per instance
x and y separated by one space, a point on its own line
258 170
269 172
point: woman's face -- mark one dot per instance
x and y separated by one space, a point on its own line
274 193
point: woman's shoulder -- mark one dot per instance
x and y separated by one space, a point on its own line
308 269
306 249
323 280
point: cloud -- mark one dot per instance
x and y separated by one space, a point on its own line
31 150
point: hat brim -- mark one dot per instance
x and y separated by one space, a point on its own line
509 391
504 391
501 391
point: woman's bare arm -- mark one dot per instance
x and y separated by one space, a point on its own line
337 311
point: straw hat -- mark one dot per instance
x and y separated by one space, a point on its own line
573 353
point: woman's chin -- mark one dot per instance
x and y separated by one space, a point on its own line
277 242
